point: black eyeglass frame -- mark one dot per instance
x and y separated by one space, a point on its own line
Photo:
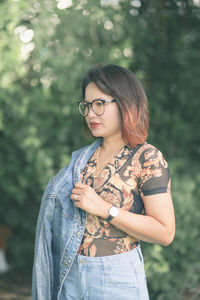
89 104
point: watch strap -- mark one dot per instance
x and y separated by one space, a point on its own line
109 218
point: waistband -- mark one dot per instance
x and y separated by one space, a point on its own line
119 258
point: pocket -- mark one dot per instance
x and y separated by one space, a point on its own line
138 265
122 276
139 251
66 213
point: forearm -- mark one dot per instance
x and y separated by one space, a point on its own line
142 227
157 226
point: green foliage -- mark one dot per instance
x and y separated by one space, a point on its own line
173 271
45 51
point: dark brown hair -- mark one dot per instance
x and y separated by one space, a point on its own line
123 86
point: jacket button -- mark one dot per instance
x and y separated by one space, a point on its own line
78 234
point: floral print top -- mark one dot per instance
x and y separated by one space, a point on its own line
132 173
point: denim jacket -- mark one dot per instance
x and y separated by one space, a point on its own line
60 228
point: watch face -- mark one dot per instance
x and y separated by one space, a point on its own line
114 211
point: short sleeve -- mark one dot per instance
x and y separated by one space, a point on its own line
155 173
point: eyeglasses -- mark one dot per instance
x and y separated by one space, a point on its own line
97 106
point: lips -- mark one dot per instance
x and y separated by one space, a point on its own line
94 124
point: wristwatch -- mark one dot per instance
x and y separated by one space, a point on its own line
113 212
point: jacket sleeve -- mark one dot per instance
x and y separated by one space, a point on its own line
42 279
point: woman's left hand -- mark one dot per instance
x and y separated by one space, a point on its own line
87 199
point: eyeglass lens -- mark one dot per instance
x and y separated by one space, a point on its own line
97 107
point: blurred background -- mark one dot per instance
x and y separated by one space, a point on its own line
46 46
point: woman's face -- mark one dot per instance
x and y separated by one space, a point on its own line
108 124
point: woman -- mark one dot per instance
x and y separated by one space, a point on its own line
121 183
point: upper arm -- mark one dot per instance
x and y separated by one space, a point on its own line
160 207
155 188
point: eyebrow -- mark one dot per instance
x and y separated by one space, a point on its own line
93 100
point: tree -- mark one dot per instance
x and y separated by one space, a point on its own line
45 52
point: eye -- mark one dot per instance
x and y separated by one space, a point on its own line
98 103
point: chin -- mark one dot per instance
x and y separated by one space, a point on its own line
96 133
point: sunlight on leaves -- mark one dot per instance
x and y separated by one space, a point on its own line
63 4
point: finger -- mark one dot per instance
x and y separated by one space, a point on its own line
77 203
76 191
79 185
74 197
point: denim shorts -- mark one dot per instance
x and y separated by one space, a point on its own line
114 277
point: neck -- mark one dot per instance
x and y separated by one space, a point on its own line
112 143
